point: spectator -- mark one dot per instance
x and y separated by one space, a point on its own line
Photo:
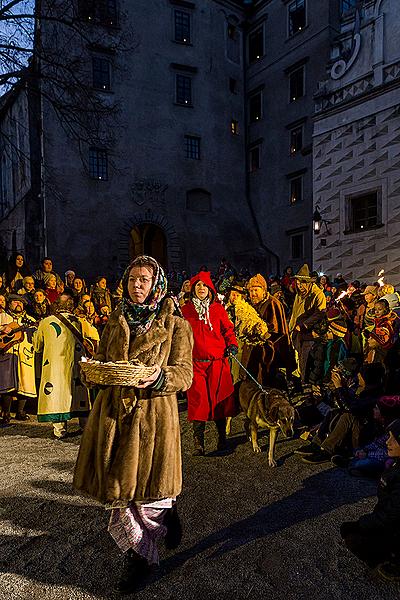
382 336
375 537
17 270
51 291
40 306
41 275
78 289
101 297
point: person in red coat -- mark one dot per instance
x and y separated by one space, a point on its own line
210 397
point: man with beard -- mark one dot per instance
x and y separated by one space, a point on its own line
308 310
17 370
263 361
60 340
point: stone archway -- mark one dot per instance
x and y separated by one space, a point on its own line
147 238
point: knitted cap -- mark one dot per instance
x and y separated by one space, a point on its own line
257 281
337 323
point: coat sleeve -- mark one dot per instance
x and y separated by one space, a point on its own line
179 369
102 349
227 328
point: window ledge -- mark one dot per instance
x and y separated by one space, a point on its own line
183 105
182 43
296 35
366 230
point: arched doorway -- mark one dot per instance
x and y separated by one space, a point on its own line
149 239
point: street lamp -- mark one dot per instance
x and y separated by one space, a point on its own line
317 220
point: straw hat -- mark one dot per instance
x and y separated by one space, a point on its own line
304 274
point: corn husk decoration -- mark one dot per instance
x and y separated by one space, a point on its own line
249 327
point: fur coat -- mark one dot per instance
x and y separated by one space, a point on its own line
130 447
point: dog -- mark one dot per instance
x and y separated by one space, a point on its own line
270 409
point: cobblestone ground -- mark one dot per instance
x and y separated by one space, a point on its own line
251 532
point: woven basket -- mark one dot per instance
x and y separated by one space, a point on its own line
115 373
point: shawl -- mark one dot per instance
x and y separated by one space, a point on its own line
203 310
141 316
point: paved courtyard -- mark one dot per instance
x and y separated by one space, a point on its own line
251 532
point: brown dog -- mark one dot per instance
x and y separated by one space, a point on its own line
269 409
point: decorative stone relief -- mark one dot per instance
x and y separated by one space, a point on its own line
149 193
342 66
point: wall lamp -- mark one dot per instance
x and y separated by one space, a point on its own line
318 222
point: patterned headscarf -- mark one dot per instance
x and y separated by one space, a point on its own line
141 316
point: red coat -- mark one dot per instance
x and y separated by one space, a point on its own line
211 394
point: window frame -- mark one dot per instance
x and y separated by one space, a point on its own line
292 180
301 68
234 127
350 221
252 33
185 42
351 6
252 97
253 148
291 33
292 236
105 60
189 146
104 168
181 77
90 12
292 131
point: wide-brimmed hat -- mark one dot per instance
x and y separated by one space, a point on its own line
370 289
17 298
304 275
238 286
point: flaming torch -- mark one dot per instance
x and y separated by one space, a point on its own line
381 277
342 295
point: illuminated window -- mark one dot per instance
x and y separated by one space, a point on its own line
296 139
256 44
235 127
255 107
192 145
103 12
297 16
183 90
296 84
182 27
296 189
98 164
101 69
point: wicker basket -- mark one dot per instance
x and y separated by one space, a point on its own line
115 373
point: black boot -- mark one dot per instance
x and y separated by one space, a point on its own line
172 522
221 428
135 572
198 438
5 420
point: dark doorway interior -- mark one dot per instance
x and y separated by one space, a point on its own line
149 239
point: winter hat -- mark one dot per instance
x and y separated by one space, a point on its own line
205 277
257 281
275 288
389 406
337 323
238 286
304 274
394 429
17 298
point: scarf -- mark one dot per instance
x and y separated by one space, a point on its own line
141 316
203 310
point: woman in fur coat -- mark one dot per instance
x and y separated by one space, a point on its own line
130 454
211 396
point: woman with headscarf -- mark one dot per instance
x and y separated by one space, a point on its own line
130 454
211 396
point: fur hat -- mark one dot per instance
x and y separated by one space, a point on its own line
304 274
257 281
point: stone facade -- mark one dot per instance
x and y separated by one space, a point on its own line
357 149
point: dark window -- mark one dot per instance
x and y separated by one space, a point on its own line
297 246
255 107
296 139
99 11
192 144
254 158
296 190
182 27
346 5
232 85
198 200
256 44
101 73
297 16
364 212
296 84
98 164
234 127
183 89
233 43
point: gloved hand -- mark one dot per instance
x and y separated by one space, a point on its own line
231 350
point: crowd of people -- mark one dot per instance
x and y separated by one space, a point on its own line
332 346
